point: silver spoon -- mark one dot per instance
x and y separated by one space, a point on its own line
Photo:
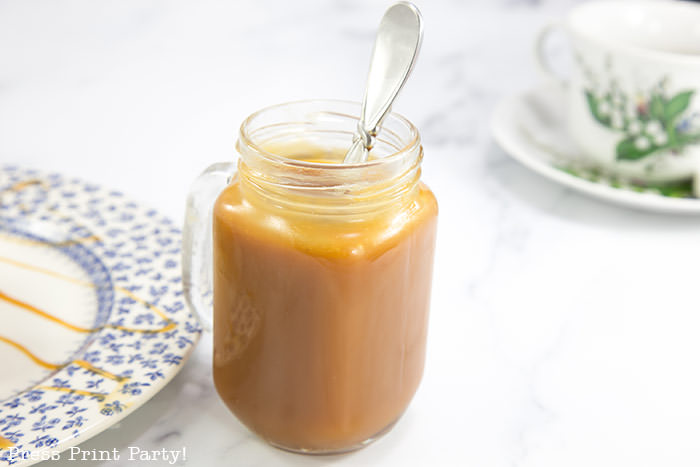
395 51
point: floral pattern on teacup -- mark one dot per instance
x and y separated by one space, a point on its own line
649 122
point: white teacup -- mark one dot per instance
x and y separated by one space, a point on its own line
633 96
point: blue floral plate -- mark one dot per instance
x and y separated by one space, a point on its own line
92 318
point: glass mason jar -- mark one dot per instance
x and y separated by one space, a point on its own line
321 275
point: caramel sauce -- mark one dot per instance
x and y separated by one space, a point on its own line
43 314
320 326
170 323
30 355
55 319
5 443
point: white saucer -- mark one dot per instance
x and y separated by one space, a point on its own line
530 127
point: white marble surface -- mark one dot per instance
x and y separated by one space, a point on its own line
564 331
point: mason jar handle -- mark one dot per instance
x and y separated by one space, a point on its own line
197 240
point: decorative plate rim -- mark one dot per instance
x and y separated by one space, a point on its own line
131 353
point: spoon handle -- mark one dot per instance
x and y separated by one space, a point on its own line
395 50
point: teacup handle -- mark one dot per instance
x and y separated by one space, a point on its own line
197 239
543 65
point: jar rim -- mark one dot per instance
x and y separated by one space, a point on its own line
407 148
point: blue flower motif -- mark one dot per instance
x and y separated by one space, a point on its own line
69 399
120 267
12 436
106 338
45 440
33 395
11 420
136 345
192 327
154 375
92 357
61 383
148 317
158 291
42 408
119 322
7 456
76 422
14 403
172 359
112 408
158 348
94 384
134 358
183 342
152 363
71 369
163 241
127 301
75 411
133 389
98 396
45 423
176 307
114 347
115 359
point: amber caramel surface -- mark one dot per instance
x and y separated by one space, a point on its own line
320 327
